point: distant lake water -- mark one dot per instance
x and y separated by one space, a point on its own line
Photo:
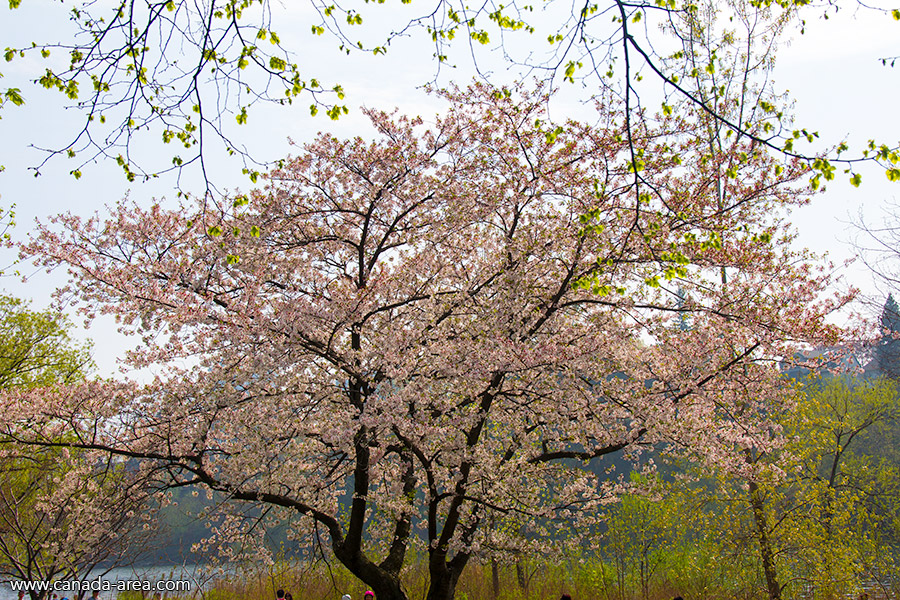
146 580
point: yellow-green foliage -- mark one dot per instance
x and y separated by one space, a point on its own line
36 349
830 499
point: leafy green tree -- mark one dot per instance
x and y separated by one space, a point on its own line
36 348
823 500
818 516
635 542
825 504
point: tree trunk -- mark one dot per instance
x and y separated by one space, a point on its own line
442 588
495 578
389 589
765 547
384 583
444 576
520 576
645 577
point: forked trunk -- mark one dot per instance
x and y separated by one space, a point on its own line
442 587
444 575
384 583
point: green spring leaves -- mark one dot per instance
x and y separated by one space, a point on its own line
13 95
824 169
506 22
569 73
218 231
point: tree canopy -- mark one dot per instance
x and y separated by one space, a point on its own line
428 324
36 348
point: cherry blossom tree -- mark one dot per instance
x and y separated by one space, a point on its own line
458 323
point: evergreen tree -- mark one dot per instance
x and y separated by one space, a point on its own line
887 352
